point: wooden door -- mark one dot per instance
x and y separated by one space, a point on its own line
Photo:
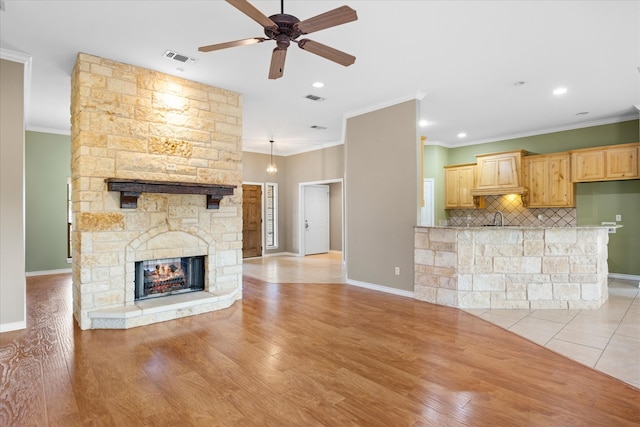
251 221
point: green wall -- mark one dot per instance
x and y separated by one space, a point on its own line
435 158
602 201
47 167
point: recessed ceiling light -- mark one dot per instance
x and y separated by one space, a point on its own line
560 91
423 123
518 83
462 135
582 113
318 84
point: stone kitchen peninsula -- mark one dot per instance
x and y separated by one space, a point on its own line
512 267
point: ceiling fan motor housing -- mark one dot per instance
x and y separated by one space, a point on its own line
286 30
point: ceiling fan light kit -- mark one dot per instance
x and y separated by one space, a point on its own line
284 29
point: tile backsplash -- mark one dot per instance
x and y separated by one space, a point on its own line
514 214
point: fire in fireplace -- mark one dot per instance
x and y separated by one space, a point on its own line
161 277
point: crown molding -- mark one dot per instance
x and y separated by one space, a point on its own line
384 104
307 149
504 137
54 131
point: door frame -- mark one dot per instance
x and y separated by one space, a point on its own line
428 204
301 186
262 213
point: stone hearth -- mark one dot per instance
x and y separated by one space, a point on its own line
132 123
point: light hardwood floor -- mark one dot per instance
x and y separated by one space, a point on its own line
313 354
606 339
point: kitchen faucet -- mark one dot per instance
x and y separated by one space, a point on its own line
495 219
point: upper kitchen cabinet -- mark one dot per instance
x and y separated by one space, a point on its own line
548 179
458 182
608 163
499 173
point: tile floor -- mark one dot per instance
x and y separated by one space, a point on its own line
607 339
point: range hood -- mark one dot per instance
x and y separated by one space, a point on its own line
499 173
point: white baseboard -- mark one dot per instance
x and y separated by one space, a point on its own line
624 276
48 272
15 326
292 254
380 288
280 254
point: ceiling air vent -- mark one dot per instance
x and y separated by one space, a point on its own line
315 98
178 57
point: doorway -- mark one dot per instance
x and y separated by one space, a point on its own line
251 220
316 219
427 210
321 217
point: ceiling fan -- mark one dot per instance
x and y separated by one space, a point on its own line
285 29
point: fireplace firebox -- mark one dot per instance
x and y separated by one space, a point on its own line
168 276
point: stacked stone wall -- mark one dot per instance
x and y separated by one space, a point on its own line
134 123
512 267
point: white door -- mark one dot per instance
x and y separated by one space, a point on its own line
426 212
316 219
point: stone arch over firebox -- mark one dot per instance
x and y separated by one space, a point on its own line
170 242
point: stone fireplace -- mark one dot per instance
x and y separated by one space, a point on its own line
176 147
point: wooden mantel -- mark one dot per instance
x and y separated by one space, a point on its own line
130 190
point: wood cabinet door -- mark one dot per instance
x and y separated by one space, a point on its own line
451 178
560 187
466 178
458 183
587 166
537 177
548 180
621 162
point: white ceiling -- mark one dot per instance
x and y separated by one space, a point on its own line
463 57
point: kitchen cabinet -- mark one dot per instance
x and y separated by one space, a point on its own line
499 173
548 179
459 181
608 163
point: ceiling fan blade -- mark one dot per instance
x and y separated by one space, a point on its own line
334 17
235 43
248 9
327 52
276 70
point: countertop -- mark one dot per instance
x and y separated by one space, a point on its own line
491 227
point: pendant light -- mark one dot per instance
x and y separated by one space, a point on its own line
271 167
